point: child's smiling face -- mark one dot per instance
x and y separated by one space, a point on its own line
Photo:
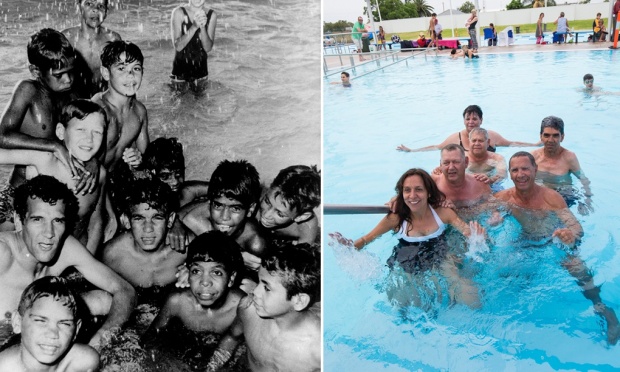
83 138
124 77
209 281
48 328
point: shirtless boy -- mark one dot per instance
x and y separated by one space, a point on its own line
121 67
88 39
47 319
30 118
234 190
81 128
556 164
39 247
140 255
287 208
280 331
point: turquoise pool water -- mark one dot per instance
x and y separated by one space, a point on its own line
534 317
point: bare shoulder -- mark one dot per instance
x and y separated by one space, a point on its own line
71 32
82 358
497 157
140 109
98 99
553 199
116 248
26 88
504 195
6 252
9 359
111 35
446 215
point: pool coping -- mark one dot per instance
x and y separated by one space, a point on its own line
333 62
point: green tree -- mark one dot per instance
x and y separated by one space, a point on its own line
422 8
514 4
391 9
340 26
467 7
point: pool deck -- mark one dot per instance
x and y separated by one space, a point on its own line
334 63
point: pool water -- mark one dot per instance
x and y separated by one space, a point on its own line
255 107
534 316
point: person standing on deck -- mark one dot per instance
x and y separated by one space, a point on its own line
471 27
356 35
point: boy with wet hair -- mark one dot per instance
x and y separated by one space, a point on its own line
148 212
287 208
88 40
164 159
80 130
280 331
209 305
127 127
48 323
29 119
234 190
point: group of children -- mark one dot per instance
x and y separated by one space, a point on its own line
249 254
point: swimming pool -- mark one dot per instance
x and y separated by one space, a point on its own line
533 317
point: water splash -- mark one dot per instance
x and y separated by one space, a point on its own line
360 265
477 246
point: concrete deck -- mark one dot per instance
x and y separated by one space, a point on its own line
340 62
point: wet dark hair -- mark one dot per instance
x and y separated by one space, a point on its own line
453 147
215 246
300 187
164 153
112 51
345 73
453 51
80 108
236 180
435 196
473 109
49 49
49 190
105 2
588 76
553 122
521 154
49 286
298 266
153 192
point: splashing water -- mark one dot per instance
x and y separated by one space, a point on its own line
360 265
477 246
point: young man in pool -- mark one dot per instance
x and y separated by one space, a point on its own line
30 118
148 212
47 319
280 331
472 118
45 209
80 129
556 164
526 197
127 127
88 40
209 305
287 208
234 190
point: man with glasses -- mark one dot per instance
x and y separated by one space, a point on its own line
88 40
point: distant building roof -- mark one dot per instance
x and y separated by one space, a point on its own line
447 12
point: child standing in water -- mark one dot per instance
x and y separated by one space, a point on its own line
193 34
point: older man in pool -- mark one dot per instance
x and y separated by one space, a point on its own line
472 118
556 164
532 205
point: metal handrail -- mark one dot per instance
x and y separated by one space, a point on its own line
353 66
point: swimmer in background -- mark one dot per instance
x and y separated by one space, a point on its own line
344 80
556 164
588 82
464 52
193 36
88 39
47 320
472 118
419 221
532 205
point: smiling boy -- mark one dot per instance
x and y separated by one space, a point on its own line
80 128
121 67
88 40
48 323
287 208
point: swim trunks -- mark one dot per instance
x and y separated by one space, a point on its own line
490 148
6 204
191 63
419 253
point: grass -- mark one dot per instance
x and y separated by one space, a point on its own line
524 29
